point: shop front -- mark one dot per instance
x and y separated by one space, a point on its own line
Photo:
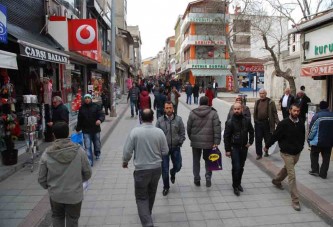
250 77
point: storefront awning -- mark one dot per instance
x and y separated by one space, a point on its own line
319 68
38 46
8 60
210 72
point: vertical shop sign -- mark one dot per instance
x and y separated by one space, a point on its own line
82 34
3 24
229 83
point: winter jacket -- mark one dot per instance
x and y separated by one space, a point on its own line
246 112
133 94
177 95
173 129
210 95
303 104
238 132
321 126
188 89
63 168
87 117
204 127
148 144
272 114
196 90
159 101
144 101
290 101
60 113
290 135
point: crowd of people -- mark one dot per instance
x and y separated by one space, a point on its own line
153 146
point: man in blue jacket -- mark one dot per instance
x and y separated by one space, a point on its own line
321 140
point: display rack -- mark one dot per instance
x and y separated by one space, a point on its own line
31 115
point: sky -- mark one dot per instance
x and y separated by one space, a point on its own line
156 20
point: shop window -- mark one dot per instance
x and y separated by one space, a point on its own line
208 52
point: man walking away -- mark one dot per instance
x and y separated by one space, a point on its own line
159 101
62 169
188 91
148 144
238 137
174 130
89 120
133 96
286 100
215 87
302 100
265 117
196 93
174 98
321 140
204 131
290 133
144 101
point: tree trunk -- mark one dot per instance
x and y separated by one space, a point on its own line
233 71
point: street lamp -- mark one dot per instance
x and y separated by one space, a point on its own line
112 79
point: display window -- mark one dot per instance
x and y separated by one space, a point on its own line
95 85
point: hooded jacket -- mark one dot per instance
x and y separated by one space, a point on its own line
63 168
204 127
144 101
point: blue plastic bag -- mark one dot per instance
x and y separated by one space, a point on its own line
77 137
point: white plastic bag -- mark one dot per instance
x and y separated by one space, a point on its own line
274 148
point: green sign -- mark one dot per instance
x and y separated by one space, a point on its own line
324 49
205 66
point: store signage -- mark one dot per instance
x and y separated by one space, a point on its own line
320 69
251 68
45 55
82 34
209 42
206 66
203 20
320 43
3 24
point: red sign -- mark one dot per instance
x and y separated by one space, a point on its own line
93 54
318 69
229 83
251 68
82 34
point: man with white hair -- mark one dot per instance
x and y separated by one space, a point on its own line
302 101
265 119
59 111
286 100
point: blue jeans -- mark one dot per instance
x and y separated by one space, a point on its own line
159 113
95 139
195 99
134 105
188 99
176 158
238 158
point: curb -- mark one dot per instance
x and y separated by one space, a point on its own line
41 214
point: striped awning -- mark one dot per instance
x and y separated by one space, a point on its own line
210 72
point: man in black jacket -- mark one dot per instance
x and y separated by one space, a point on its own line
59 111
238 137
89 120
286 100
290 133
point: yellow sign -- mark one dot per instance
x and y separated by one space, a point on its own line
214 157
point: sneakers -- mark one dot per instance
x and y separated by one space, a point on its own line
208 183
172 178
240 188
165 191
236 191
314 173
266 154
296 206
277 184
97 157
197 183
258 157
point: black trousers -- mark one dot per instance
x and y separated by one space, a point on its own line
69 213
262 131
326 156
238 158
285 112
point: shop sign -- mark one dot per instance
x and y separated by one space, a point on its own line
41 54
95 55
251 68
201 20
207 66
318 70
229 83
106 61
3 24
320 43
209 42
82 34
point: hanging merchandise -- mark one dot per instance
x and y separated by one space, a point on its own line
76 103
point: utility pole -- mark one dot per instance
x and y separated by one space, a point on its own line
113 94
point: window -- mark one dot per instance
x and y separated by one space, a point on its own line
242 26
242 39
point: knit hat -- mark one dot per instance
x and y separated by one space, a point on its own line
88 96
323 105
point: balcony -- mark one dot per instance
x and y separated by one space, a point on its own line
203 40
204 18
215 63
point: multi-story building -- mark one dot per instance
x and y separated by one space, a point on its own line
135 50
203 34
178 43
169 55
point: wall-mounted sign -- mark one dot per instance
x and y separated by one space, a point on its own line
204 20
209 42
208 66
251 68
320 43
317 69
82 34
42 54
3 24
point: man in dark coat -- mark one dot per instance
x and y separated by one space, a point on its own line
286 100
302 101
204 131
59 111
238 137
89 120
